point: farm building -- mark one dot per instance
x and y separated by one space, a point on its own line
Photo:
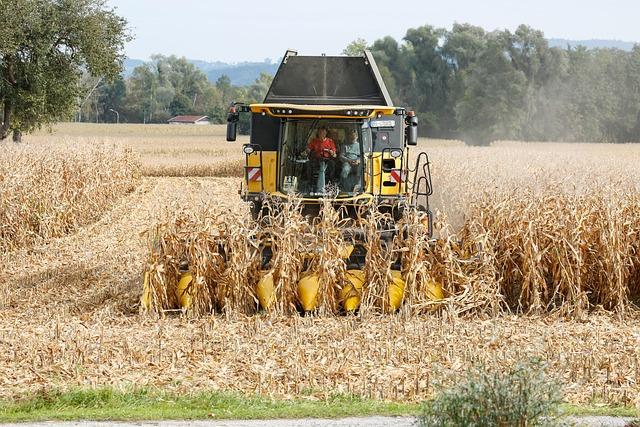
189 120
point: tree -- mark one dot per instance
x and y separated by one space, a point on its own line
493 106
463 45
180 105
633 95
169 86
356 47
142 89
46 45
429 87
390 61
461 49
258 90
111 98
223 84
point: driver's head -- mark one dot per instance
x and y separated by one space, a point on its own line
322 132
352 135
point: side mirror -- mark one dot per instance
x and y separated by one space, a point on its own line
411 131
232 131
232 124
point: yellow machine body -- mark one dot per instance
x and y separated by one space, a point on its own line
308 288
265 290
350 294
301 148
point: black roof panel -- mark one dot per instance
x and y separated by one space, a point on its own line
328 80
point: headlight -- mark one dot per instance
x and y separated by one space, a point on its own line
396 153
248 149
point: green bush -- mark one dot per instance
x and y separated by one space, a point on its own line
521 396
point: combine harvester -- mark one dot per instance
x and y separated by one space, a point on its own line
327 132
328 129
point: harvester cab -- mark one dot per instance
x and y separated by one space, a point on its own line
328 130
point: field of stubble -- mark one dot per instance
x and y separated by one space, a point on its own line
560 223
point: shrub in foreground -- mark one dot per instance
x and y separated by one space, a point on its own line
521 396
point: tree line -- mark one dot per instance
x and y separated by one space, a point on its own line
45 47
164 87
465 83
481 86
63 60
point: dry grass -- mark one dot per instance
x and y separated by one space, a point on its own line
170 150
164 150
50 191
386 357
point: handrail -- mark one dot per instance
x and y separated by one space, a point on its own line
422 181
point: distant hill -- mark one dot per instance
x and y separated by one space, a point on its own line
592 44
243 73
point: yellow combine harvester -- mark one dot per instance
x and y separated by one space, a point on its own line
327 129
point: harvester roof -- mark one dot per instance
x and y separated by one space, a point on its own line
328 80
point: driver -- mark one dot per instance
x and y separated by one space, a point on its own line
322 147
323 151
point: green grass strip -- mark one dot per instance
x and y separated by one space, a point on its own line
107 404
145 404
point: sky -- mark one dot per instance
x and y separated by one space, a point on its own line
235 31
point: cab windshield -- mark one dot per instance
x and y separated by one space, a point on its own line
323 157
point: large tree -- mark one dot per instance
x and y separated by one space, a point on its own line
46 46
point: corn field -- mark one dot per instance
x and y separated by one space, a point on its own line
536 247
559 234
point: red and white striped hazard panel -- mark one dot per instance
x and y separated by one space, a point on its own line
254 174
397 176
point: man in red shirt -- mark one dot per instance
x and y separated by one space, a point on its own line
323 150
322 147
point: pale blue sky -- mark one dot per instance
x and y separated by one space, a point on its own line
254 30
